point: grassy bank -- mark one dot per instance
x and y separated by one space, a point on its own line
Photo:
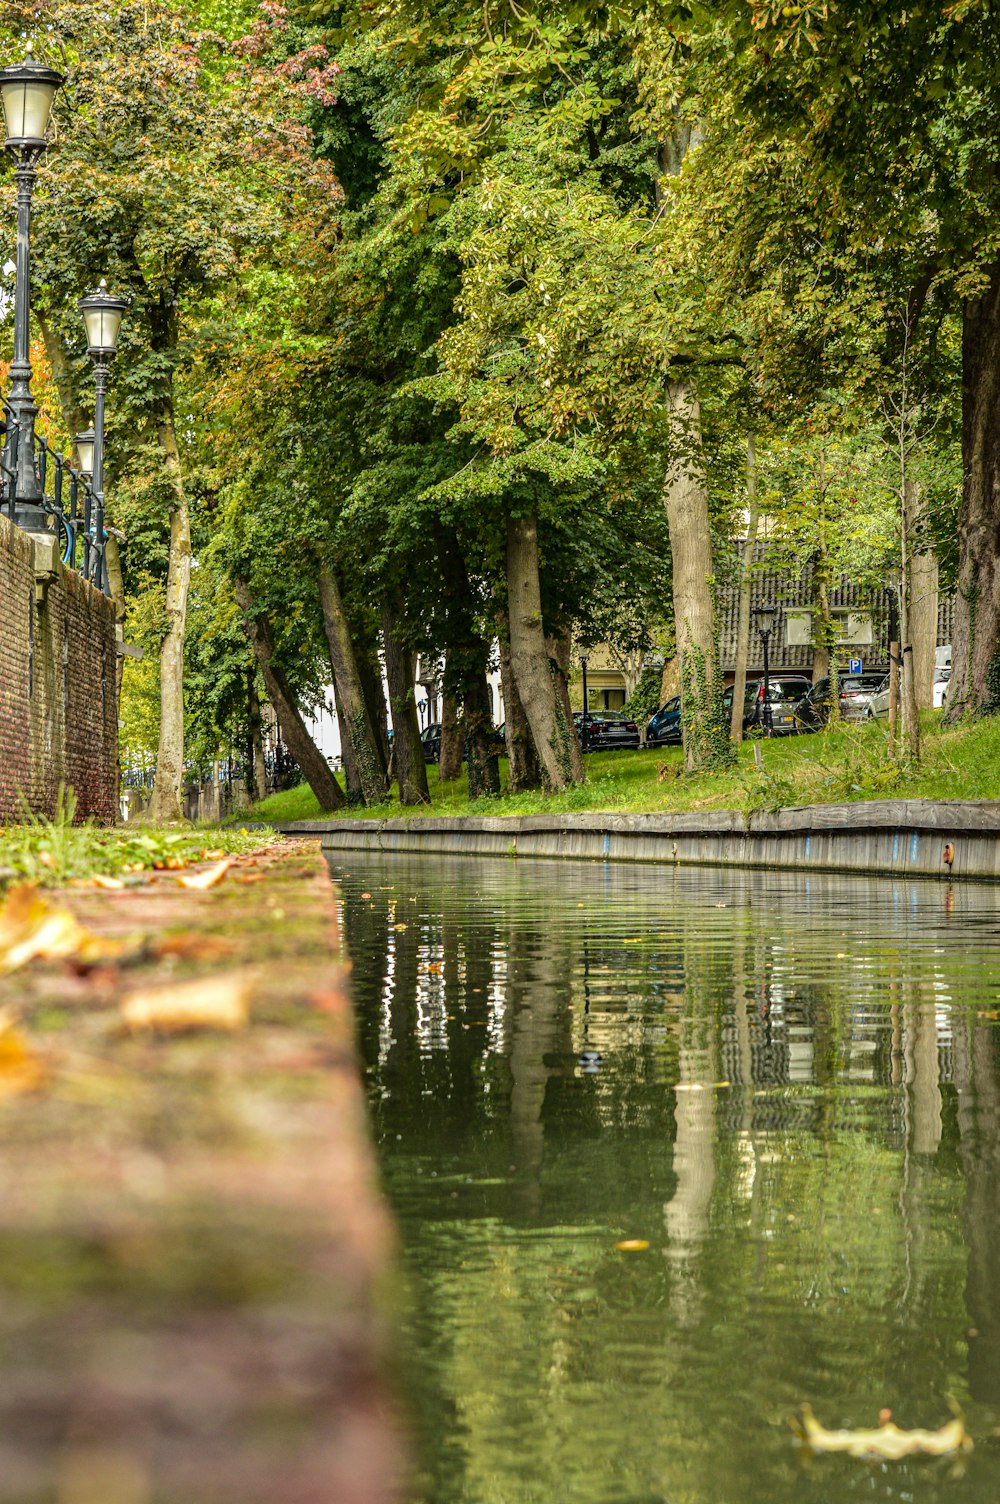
52 852
842 764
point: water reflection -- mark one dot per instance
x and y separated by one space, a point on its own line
788 1088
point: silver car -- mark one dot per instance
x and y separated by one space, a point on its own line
879 705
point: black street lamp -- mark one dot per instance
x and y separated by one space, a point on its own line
585 722
765 622
102 319
26 90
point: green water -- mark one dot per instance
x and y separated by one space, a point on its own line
789 1087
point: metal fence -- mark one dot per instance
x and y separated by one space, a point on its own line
75 510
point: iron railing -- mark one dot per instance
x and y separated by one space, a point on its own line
77 516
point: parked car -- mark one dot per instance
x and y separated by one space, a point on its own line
856 694
664 728
880 702
430 739
784 691
606 731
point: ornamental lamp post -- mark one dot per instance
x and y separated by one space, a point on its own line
83 444
765 622
102 320
585 722
26 92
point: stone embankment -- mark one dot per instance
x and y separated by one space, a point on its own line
905 838
191 1238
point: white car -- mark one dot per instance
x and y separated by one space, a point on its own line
879 704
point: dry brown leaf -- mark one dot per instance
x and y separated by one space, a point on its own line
208 879
100 880
190 947
888 1441
250 877
221 1002
32 928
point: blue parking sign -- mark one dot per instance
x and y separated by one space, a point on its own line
854 666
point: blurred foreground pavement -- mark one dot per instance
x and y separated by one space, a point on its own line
193 1251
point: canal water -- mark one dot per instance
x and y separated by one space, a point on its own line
673 1153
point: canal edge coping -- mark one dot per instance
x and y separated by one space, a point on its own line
943 839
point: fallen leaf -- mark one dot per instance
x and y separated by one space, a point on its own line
32 928
400 927
20 1069
366 895
632 1245
209 1003
212 856
208 879
46 859
250 877
434 966
888 1441
190 947
101 880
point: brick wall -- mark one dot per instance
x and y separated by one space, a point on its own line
58 716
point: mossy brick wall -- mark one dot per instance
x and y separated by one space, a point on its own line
58 716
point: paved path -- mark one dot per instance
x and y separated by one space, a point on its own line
190 1234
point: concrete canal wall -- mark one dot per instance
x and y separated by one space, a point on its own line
908 838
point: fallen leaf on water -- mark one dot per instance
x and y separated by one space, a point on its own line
434 966
202 880
32 928
632 1245
101 880
366 895
210 1003
400 927
887 1441
20 1069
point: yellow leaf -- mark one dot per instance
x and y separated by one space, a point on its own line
887 1441
32 928
20 1069
100 880
207 879
632 1245
221 1002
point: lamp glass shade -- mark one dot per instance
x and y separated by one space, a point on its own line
102 319
27 90
83 443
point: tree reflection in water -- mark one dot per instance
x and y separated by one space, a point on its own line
788 1087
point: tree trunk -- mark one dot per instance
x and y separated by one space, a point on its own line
370 674
452 739
923 616
746 582
357 727
975 675
352 778
315 768
407 748
685 497
484 765
255 726
907 684
560 648
523 770
529 656
169 780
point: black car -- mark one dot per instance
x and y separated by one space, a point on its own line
606 730
430 739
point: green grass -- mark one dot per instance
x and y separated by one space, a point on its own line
841 764
51 852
